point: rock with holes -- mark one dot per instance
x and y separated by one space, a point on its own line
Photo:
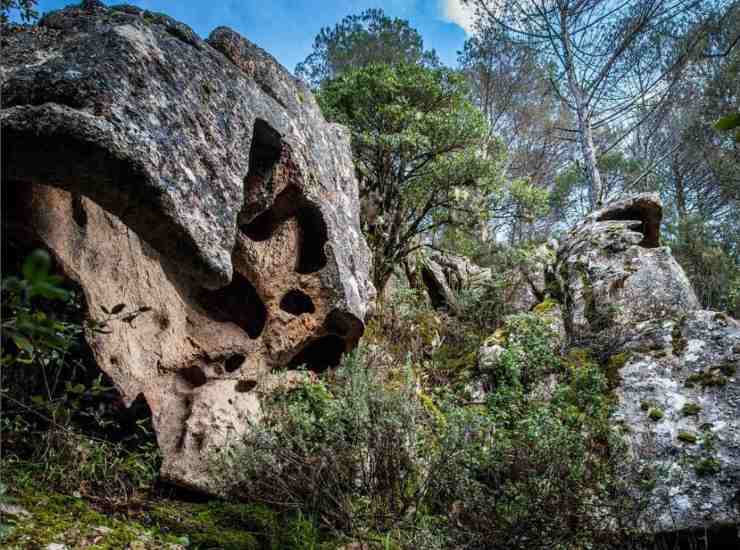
197 184
612 271
678 401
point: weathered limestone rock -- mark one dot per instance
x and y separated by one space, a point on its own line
444 274
612 270
198 179
679 401
676 367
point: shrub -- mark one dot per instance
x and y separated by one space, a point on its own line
346 454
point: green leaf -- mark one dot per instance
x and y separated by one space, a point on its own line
728 122
23 343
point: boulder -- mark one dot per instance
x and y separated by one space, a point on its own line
197 184
612 271
523 286
679 404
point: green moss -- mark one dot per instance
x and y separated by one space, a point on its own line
691 409
614 365
545 307
712 377
687 437
656 414
645 405
71 521
678 341
707 467
728 369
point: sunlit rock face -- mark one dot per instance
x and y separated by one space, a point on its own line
679 406
199 181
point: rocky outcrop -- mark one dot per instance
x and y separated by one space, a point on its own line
679 404
613 272
675 368
444 275
197 183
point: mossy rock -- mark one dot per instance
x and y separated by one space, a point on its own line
707 467
691 409
655 414
614 365
712 377
687 437
545 307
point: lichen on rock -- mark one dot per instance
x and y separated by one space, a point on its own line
196 178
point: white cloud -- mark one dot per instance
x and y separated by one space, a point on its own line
456 12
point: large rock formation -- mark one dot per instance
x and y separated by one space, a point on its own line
195 178
523 286
678 387
675 367
613 271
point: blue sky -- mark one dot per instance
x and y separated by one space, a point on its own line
286 28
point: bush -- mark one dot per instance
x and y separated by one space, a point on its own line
382 461
62 422
346 454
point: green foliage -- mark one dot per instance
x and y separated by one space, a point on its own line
691 409
369 456
60 421
729 122
418 151
345 455
711 261
707 467
656 414
687 437
359 40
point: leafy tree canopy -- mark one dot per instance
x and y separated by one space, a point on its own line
421 152
358 40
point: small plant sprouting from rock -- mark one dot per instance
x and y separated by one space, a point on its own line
656 414
691 409
687 437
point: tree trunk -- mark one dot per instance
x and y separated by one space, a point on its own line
588 150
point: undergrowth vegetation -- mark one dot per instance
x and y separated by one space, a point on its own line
385 454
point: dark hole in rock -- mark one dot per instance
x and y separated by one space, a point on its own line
264 151
313 234
263 226
648 216
193 375
79 214
297 302
436 295
237 303
312 238
244 386
234 362
320 354
343 324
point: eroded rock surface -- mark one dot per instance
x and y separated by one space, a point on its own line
679 401
675 367
198 179
613 271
